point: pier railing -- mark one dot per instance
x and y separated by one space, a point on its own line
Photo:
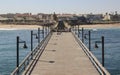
92 58
30 60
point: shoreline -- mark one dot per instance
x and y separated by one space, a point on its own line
18 27
101 26
24 27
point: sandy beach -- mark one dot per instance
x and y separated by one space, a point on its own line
101 26
3 26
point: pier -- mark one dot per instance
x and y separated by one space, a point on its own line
61 53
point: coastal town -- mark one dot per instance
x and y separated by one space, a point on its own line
42 18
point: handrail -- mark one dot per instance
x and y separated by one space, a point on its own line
28 60
92 58
36 57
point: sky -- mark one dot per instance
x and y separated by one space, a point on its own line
59 6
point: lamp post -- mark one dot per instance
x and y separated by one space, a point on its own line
96 46
17 52
89 34
78 31
82 34
75 30
32 39
46 30
38 35
72 28
43 32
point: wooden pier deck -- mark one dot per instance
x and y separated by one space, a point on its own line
64 56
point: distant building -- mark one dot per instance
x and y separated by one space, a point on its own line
115 17
106 17
2 18
45 17
26 18
5 19
94 17
64 17
82 19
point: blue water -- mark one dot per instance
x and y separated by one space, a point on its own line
8 48
112 48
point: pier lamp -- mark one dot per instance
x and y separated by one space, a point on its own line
96 46
85 36
17 52
36 36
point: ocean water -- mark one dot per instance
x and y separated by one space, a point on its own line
8 48
112 48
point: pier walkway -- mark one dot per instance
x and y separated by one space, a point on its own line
60 52
64 56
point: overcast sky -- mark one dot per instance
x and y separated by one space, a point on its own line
59 6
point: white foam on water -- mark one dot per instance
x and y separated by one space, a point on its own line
8 29
94 29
